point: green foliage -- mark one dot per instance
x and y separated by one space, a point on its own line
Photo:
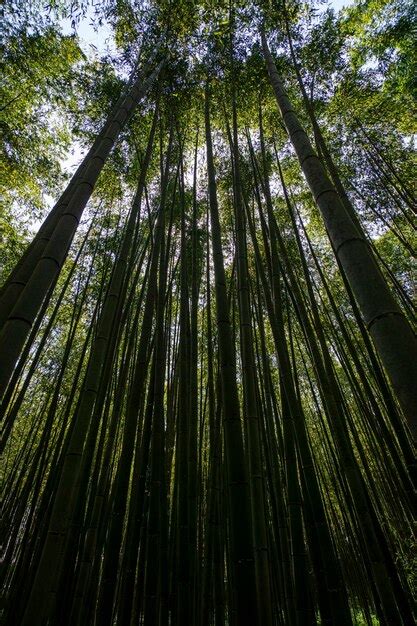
13 239
39 69
383 37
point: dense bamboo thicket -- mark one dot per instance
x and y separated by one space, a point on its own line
208 365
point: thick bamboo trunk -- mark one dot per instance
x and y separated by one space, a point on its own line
16 281
389 329
20 320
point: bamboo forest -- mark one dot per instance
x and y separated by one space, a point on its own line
208 357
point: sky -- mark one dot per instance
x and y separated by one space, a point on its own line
339 4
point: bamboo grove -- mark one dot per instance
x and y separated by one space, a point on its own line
207 368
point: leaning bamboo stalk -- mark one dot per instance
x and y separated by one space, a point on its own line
21 318
387 325
18 278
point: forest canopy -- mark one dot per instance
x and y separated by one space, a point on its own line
208 357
